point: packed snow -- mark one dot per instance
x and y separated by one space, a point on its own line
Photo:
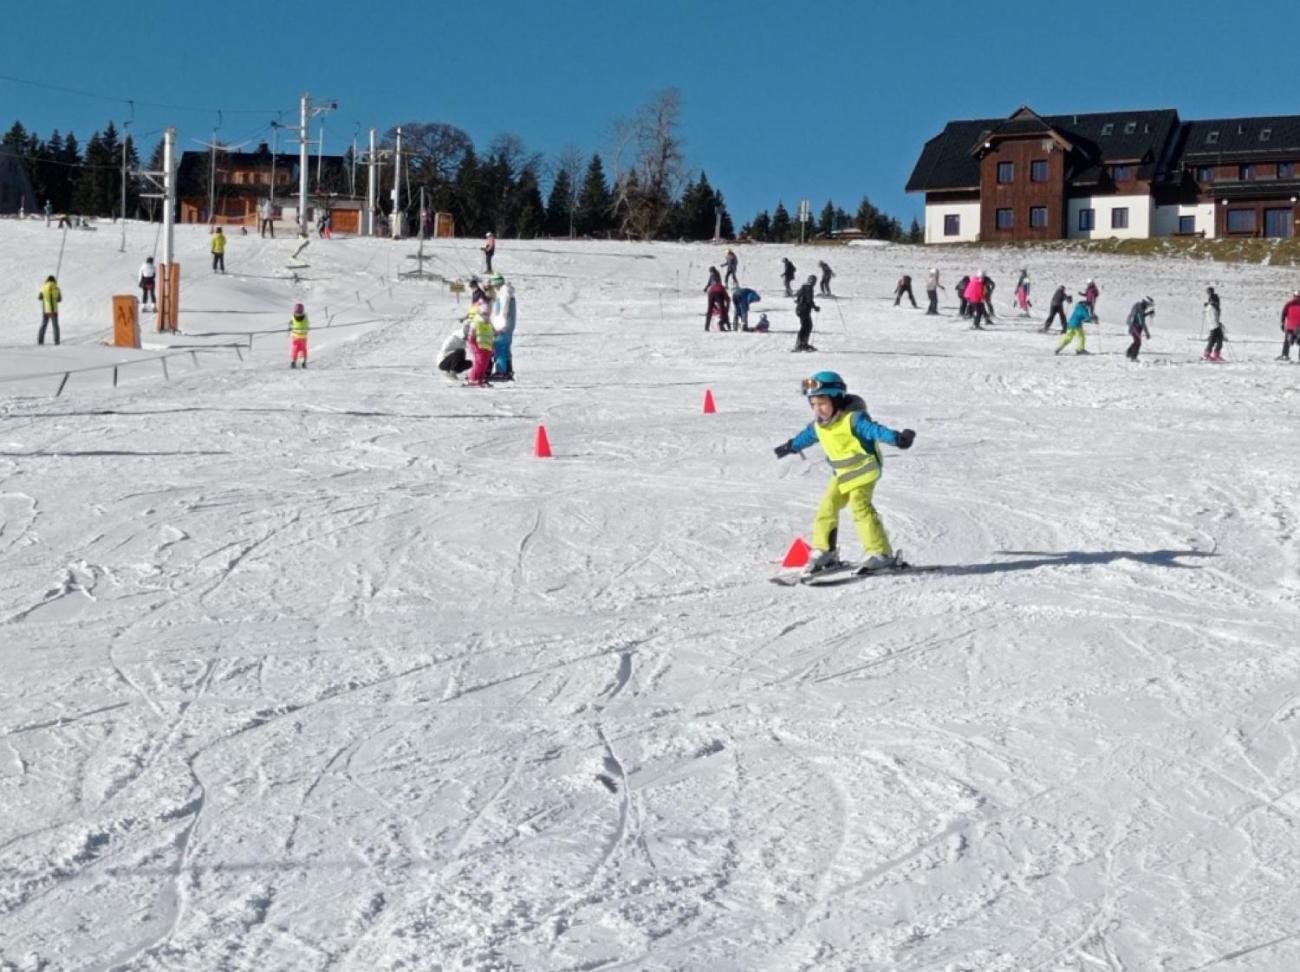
324 670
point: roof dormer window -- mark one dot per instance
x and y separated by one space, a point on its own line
1212 138
1265 134
1108 129
1130 128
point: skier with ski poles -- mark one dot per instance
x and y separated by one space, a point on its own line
1211 316
1081 315
50 297
804 305
850 440
1057 310
1137 326
932 288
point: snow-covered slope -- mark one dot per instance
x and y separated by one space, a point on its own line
309 670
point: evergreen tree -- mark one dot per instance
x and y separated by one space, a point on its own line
594 217
95 186
915 234
529 212
781 227
559 206
826 221
760 230
68 168
702 210
469 218
727 228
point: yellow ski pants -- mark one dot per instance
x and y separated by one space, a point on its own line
1070 335
865 518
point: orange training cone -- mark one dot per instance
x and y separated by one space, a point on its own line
797 555
542 445
709 407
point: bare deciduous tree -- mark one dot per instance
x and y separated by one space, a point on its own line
644 186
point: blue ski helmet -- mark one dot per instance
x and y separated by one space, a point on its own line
827 383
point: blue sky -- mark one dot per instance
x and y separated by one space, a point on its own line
781 100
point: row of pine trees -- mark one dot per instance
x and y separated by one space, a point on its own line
80 180
500 191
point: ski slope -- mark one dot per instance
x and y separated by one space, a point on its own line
323 670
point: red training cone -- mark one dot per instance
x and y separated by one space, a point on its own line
542 445
709 407
797 555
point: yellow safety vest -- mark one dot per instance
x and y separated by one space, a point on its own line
854 466
484 335
299 326
50 297
218 242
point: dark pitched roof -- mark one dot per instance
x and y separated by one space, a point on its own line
949 160
1206 141
192 171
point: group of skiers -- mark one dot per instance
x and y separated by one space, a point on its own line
482 344
724 304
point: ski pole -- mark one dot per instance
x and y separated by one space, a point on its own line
59 268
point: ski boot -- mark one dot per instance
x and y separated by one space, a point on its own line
821 560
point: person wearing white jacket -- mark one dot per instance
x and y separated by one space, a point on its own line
148 278
453 359
504 318
1213 347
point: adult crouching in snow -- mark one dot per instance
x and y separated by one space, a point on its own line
453 358
741 299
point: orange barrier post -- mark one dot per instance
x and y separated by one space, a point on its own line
126 321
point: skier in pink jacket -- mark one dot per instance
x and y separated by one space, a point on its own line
974 295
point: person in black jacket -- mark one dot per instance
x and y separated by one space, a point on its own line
804 305
1137 325
963 309
904 286
1059 299
787 274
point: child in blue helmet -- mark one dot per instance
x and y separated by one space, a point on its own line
849 437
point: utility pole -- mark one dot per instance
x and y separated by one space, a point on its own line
275 150
372 187
307 110
169 194
397 188
125 135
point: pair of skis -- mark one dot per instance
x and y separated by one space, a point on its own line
846 572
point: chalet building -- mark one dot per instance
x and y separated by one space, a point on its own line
1134 174
243 179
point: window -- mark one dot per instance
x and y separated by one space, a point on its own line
1241 220
1246 173
1205 173
1186 225
1108 129
1119 217
1286 170
1265 134
1038 216
1006 220
951 224
1212 138
1006 172
1087 219
1038 171
1130 128
1121 173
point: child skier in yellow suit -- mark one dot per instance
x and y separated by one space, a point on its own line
299 328
849 437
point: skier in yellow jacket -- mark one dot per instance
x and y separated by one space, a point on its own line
849 437
49 296
218 250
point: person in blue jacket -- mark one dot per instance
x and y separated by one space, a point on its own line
850 440
1080 316
741 298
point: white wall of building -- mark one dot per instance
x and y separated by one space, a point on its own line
970 222
1141 211
1166 222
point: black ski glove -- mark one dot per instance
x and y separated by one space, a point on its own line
784 449
904 439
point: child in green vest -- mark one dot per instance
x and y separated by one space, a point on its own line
299 326
849 437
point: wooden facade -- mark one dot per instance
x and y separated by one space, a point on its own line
1022 181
